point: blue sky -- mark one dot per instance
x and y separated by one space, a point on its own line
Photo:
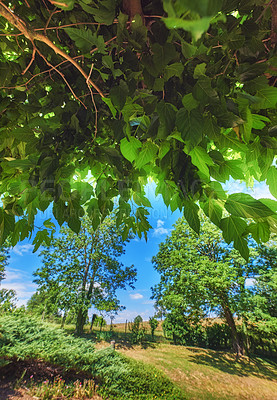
23 262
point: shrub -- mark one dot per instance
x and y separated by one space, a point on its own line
153 322
118 376
138 331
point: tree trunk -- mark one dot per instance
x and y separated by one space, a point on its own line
237 342
80 321
92 322
132 8
63 319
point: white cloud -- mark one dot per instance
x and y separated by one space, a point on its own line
160 223
131 315
20 249
21 283
148 302
250 282
136 296
160 230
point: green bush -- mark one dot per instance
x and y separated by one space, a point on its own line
26 337
119 377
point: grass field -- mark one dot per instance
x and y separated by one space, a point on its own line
206 374
201 374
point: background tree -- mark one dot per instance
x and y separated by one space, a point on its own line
261 312
83 270
199 275
153 322
183 91
7 296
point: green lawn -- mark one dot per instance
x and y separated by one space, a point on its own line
206 374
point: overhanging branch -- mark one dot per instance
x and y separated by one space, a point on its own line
32 36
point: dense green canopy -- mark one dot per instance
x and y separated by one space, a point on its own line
180 90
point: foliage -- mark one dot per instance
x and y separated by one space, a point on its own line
260 316
153 322
81 271
119 377
97 97
7 296
200 274
25 337
138 330
7 300
197 333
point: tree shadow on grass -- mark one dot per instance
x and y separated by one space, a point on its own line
122 340
227 362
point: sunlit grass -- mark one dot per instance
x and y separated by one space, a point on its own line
206 374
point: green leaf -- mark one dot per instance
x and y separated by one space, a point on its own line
189 102
258 121
191 214
272 204
141 200
195 27
175 69
260 231
213 209
163 54
85 39
147 153
201 159
233 229
199 70
268 97
49 224
203 91
130 148
244 205
164 149
109 103
105 12
118 95
7 223
42 237
190 124
167 115
272 180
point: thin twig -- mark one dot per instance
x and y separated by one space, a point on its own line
63 77
264 10
49 19
31 61
29 34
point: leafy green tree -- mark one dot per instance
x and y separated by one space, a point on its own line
7 300
45 302
7 296
82 270
4 257
261 314
180 90
153 322
199 275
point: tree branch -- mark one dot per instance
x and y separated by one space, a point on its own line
32 36
274 23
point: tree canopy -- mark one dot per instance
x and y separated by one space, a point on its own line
200 274
83 271
7 296
183 91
